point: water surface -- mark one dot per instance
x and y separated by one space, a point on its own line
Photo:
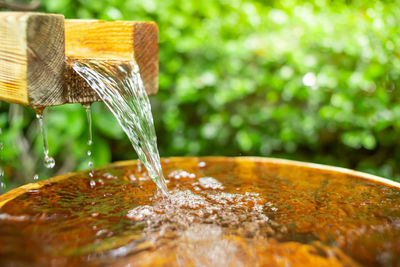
221 211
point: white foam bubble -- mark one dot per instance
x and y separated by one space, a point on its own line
132 178
109 176
101 232
202 164
140 213
8 217
186 199
210 183
178 174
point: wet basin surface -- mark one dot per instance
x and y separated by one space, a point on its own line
232 211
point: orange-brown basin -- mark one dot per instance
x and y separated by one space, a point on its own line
221 211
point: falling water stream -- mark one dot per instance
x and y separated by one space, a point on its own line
122 90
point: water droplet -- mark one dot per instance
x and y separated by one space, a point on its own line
92 183
49 162
36 177
90 141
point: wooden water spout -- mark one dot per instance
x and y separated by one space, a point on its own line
37 50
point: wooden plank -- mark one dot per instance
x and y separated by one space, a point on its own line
13 59
36 56
98 39
111 41
32 58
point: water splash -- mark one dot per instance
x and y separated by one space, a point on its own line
90 141
49 162
121 89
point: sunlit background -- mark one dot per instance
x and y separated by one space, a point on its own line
308 81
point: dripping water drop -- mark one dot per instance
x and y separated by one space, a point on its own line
49 162
90 141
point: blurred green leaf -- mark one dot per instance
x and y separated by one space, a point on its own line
314 81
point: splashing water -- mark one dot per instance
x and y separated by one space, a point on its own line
90 141
49 162
122 90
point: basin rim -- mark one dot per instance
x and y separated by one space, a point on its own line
277 161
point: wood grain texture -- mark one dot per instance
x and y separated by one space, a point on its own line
110 41
77 89
97 39
32 58
13 59
145 45
45 49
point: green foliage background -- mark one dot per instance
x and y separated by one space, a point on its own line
315 81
